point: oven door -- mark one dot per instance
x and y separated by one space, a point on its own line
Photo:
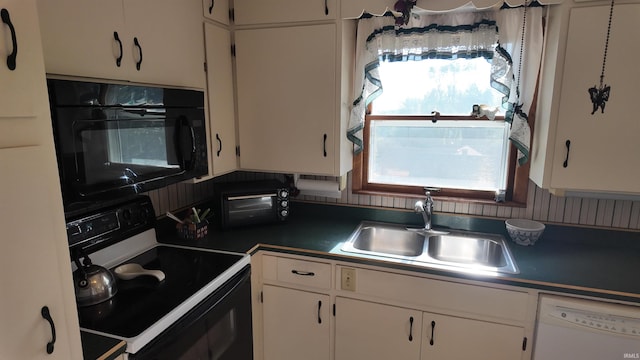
219 328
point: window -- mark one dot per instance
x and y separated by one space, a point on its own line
423 126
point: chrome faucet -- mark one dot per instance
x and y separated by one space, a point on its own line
426 207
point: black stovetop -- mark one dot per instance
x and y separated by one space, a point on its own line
143 301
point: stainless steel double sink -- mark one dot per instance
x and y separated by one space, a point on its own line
452 250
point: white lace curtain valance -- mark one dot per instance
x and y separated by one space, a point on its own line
453 35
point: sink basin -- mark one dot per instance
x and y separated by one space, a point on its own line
389 240
468 250
453 250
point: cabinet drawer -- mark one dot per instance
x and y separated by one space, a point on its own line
443 295
299 272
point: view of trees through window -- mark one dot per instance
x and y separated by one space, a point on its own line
456 152
450 87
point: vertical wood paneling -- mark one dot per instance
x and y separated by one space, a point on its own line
588 211
622 214
541 205
604 214
634 222
572 210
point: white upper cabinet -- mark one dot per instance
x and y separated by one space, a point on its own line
573 149
222 122
216 10
278 11
170 40
287 98
85 38
293 86
159 41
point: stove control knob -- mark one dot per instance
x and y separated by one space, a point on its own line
126 214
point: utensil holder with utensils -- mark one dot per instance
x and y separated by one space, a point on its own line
193 231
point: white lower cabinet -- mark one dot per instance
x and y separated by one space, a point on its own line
449 337
296 324
367 330
372 331
322 309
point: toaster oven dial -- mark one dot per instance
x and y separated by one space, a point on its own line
283 194
284 213
284 203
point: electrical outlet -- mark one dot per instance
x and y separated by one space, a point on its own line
348 279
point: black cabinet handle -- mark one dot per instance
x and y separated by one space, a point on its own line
303 273
11 58
47 316
137 44
411 328
324 145
566 160
117 38
433 327
326 8
319 307
211 6
219 145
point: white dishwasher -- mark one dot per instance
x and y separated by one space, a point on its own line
570 328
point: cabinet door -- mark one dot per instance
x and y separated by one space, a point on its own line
286 79
30 272
604 147
170 40
366 330
78 38
222 122
276 11
296 324
216 10
448 337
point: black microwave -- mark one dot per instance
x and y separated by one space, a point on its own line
251 203
117 140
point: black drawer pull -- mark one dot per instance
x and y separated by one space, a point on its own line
411 328
211 7
137 44
47 316
566 160
219 145
11 58
303 273
324 145
433 327
117 38
319 307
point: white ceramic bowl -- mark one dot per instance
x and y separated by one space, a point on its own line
524 231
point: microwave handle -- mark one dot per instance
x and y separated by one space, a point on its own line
244 197
185 147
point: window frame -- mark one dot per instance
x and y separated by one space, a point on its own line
517 175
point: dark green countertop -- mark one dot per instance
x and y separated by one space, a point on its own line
577 260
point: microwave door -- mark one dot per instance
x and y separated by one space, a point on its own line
126 150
